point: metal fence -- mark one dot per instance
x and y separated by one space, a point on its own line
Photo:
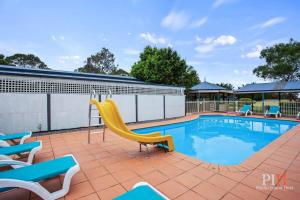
288 108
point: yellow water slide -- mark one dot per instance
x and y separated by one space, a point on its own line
112 119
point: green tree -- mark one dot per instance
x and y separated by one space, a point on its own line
26 60
282 62
228 86
102 62
3 60
120 72
164 66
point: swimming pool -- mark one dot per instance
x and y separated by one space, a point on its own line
226 140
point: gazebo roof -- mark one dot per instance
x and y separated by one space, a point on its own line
204 87
279 86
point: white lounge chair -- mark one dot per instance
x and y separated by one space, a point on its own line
32 147
28 176
15 136
274 110
246 109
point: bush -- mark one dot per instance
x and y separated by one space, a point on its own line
245 99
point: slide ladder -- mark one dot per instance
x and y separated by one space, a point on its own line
93 95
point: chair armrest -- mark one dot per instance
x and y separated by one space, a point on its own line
4 143
12 162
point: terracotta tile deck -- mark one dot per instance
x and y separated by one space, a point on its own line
110 168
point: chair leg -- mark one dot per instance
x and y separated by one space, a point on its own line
165 144
29 196
103 134
140 147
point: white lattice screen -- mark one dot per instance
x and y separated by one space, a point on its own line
15 84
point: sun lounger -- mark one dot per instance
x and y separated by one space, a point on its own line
274 110
15 136
29 176
31 147
142 190
246 109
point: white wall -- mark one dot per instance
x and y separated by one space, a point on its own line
126 105
150 107
175 106
20 112
69 111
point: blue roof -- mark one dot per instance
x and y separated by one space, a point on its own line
20 71
207 86
279 86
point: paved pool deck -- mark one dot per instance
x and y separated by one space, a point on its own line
111 168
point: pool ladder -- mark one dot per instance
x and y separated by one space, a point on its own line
93 95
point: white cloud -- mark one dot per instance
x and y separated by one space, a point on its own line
245 72
175 20
56 38
218 3
236 72
210 43
205 48
64 59
255 53
153 39
198 39
169 45
198 23
270 22
208 40
131 51
241 72
225 40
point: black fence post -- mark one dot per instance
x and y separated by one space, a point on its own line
136 109
99 99
164 102
185 102
252 104
48 112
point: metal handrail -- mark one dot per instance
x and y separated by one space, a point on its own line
109 93
93 95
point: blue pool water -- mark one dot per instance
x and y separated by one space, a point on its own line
226 140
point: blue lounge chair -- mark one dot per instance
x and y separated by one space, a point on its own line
15 136
29 176
246 109
273 110
142 190
31 147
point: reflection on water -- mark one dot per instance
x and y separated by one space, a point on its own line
223 140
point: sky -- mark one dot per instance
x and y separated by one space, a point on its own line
221 39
